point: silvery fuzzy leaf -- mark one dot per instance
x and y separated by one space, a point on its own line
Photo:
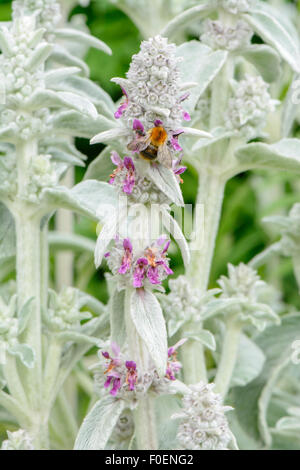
284 155
8 133
36 37
24 315
117 317
281 222
89 89
218 134
178 387
107 234
263 257
289 423
249 364
39 56
77 337
70 241
109 135
265 59
86 198
7 234
290 107
218 306
2 379
196 132
101 167
174 326
149 322
81 37
201 65
259 315
204 337
51 99
276 343
173 228
25 353
65 157
167 182
6 43
186 17
75 124
54 77
273 32
98 425
63 144
61 56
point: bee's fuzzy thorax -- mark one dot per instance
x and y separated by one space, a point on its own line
158 136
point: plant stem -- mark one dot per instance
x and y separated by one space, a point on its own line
228 356
51 371
145 424
28 264
193 361
13 406
64 224
14 383
28 285
144 416
210 195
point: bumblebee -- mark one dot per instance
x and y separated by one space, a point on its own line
153 146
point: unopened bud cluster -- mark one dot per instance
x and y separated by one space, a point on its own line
250 106
182 304
18 440
48 12
219 36
8 323
153 82
244 284
203 423
64 310
290 241
42 175
8 175
20 78
236 7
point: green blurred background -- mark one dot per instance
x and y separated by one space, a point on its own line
248 198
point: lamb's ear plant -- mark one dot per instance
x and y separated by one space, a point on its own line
41 333
218 106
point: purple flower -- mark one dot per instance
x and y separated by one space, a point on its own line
127 257
186 116
126 166
129 181
116 159
114 380
174 140
123 106
157 261
131 376
138 127
153 275
113 376
139 272
174 366
178 170
119 371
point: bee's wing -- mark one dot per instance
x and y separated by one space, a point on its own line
164 156
139 144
